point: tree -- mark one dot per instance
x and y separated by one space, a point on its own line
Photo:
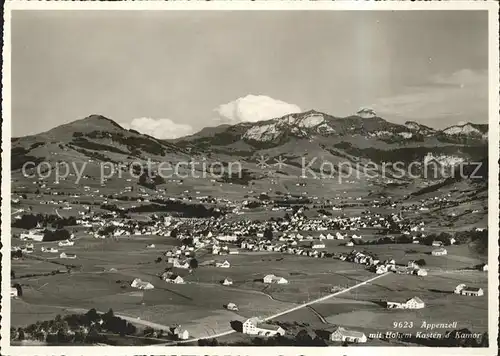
174 233
268 233
420 262
109 314
92 315
193 263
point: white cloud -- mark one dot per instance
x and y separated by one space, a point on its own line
159 128
444 101
252 108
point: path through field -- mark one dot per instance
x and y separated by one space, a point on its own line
283 312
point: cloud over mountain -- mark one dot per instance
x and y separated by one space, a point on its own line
253 108
159 128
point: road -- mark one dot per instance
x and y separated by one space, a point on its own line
283 312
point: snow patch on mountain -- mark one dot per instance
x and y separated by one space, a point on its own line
310 121
325 129
466 129
379 133
366 113
444 160
267 132
300 126
406 134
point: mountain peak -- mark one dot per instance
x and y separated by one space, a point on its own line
366 113
97 120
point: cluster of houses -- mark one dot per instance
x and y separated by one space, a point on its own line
256 327
28 248
380 267
33 234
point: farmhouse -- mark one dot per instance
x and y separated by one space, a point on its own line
343 335
71 256
13 292
227 282
139 284
271 278
232 306
35 235
169 277
462 289
317 245
415 303
224 264
439 252
253 326
181 264
420 272
179 333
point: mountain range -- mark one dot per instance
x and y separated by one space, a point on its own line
359 138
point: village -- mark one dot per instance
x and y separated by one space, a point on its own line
214 243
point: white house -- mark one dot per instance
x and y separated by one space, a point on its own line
169 277
420 272
439 252
341 334
253 326
35 235
13 292
232 306
415 303
179 264
318 245
227 282
462 289
180 334
66 243
139 284
66 255
271 278
224 264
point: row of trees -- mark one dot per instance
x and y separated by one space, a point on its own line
30 221
75 328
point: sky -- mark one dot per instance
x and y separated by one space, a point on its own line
171 73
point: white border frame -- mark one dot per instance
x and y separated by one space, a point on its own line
493 191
